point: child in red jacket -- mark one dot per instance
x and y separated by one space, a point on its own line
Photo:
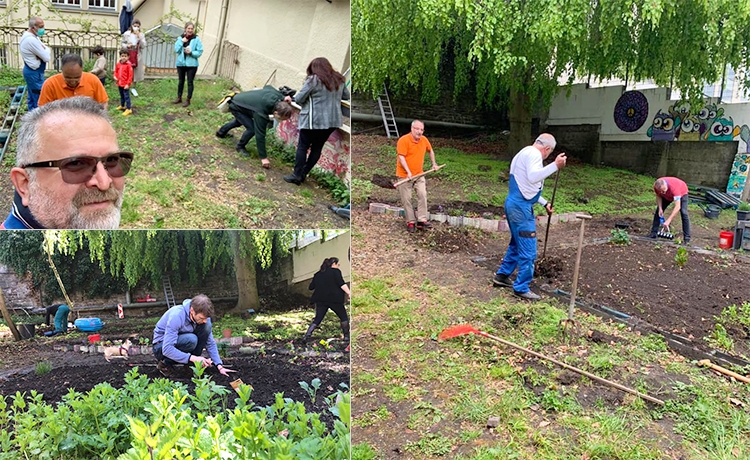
124 77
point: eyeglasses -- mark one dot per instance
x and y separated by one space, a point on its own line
77 170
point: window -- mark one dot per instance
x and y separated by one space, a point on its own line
66 2
110 4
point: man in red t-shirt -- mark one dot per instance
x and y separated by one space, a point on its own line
668 190
411 149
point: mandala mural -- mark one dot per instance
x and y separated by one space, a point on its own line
335 155
631 111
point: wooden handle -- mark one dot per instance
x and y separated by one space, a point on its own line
405 180
723 370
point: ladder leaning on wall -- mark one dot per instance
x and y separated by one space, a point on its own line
168 294
386 111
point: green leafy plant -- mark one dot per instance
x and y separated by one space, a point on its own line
312 388
744 206
619 236
681 257
720 338
42 367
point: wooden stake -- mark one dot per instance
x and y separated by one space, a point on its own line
8 319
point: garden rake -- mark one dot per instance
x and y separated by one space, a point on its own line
569 322
463 329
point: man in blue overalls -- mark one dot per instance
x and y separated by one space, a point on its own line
527 174
35 58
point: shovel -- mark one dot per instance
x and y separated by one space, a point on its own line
549 216
416 176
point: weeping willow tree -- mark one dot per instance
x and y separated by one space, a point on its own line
147 254
513 53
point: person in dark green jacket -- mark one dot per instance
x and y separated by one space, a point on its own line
251 109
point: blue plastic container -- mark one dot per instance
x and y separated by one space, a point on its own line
89 324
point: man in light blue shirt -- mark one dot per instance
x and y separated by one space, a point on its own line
183 332
35 58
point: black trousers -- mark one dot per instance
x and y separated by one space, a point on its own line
182 71
313 139
683 216
322 308
241 119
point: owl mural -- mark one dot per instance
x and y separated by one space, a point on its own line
707 115
690 129
722 130
662 127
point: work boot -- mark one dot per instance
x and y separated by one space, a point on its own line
424 225
163 368
345 330
528 295
293 179
221 135
410 227
243 152
186 103
178 100
652 235
309 332
502 280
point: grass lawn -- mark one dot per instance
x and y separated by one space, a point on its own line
184 177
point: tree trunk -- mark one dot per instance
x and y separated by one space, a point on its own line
520 122
247 285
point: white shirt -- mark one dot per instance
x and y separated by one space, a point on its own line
529 172
33 50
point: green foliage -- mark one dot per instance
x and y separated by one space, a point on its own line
431 444
744 206
160 420
619 236
42 367
312 388
736 315
681 257
494 49
720 338
361 190
11 77
338 188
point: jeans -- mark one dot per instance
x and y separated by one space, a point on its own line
124 97
187 342
182 71
683 216
313 139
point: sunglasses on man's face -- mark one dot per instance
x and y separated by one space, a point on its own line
77 170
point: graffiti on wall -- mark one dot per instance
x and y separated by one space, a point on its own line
335 155
680 123
631 111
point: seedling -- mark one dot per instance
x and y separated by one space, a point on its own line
681 258
619 236
312 388
42 367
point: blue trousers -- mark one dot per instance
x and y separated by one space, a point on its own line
521 252
34 81
187 342
124 97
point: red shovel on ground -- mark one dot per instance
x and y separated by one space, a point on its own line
463 329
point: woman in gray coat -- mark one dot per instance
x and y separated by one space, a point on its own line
320 98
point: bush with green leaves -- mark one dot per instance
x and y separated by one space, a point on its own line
160 419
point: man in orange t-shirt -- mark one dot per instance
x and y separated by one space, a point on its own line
73 81
411 149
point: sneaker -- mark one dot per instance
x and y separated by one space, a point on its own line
652 236
528 295
121 107
410 227
163 368
133 92
127 112
502 280
424 225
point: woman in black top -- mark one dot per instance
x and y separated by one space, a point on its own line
329 287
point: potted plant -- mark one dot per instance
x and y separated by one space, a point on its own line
743 211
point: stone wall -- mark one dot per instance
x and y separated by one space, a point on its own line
580 141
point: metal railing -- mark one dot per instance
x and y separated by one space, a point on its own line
230 59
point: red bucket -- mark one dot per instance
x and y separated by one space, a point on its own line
93 338
726 240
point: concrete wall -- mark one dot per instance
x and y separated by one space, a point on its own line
699 140
308 259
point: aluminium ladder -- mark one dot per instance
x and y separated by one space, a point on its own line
168 294
9 122
389 120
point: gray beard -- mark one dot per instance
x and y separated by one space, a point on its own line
52 215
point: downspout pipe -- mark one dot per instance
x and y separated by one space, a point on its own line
222 31
440 124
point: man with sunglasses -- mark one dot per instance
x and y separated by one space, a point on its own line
183 332
69 170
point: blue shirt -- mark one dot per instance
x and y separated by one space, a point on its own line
177 321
